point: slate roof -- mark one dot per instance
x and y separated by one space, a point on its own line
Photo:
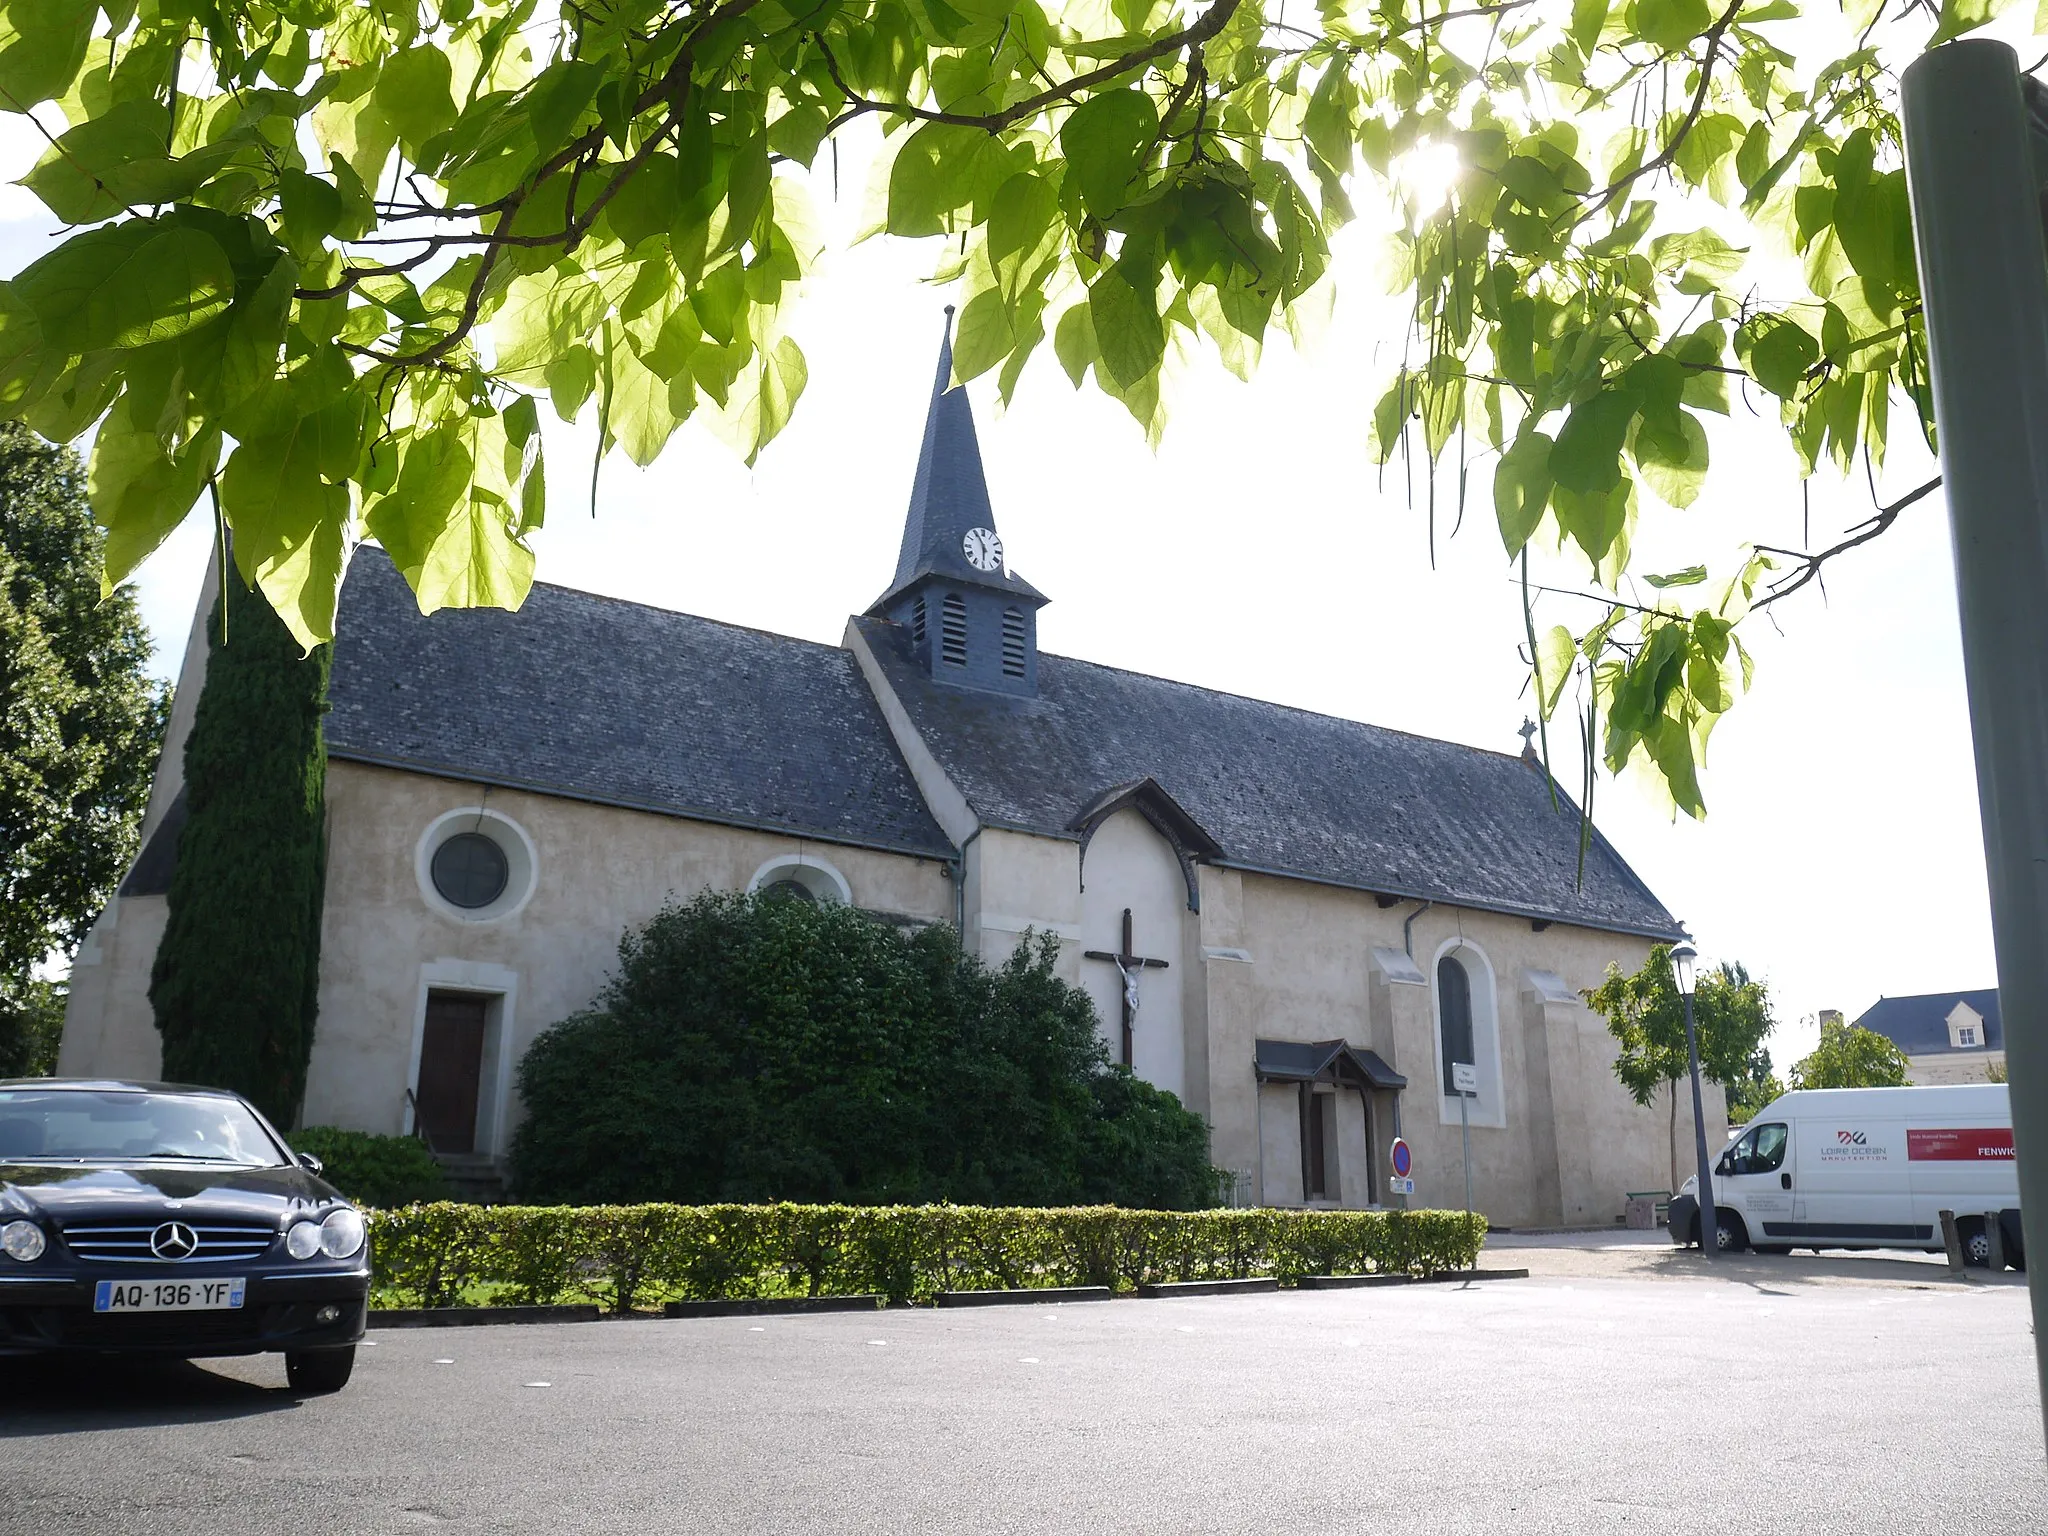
597 699
1281 790
948 496
1919 1025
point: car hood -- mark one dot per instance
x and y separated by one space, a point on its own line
69 1192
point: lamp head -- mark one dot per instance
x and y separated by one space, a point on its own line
1684 958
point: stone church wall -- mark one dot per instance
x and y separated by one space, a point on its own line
598 871
1555 1139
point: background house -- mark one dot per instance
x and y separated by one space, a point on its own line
1948 1037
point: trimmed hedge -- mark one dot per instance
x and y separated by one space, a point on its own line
627 1256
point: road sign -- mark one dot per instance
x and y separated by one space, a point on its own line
1401 1186
1401 1158
1464 1077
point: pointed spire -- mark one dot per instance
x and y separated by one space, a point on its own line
949 495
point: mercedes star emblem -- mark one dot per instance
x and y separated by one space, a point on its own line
173 1240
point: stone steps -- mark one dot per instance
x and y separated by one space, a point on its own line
473 1177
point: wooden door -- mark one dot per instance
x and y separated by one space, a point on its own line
451 1069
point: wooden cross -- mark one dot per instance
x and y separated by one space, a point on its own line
1127 965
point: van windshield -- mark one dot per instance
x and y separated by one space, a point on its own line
46 1125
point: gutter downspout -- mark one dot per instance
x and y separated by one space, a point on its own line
1408 928
957 872
1408 945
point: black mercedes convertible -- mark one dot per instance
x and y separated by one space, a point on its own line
151 1218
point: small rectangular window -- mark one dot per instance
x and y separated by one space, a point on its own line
1967 1036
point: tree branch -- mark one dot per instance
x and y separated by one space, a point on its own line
1810 564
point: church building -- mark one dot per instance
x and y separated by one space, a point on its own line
1299 924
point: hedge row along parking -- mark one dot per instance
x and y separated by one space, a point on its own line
631 1256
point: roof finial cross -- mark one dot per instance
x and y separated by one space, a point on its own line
1527 732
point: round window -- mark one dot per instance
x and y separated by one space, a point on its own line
470 870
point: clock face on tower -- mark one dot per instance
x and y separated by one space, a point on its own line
983 549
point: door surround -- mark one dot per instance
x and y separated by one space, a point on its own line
499 986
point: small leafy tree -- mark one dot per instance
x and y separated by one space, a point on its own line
235 984
1646 1014
1850 1056
80 718
31 1027
755 1049
1753 1088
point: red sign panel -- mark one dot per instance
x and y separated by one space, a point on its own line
1977 1146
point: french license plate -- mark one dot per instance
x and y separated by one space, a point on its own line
168 1295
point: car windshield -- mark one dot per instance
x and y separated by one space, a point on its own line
81 1126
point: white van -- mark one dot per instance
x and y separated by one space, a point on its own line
1866 1168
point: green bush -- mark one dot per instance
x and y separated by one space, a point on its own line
374 1170
750 1049
628 1256
31 1027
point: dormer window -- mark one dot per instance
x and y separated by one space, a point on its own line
1965 1028
1967 1035
953 630
1013 643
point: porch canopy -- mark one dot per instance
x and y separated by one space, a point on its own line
1322 1061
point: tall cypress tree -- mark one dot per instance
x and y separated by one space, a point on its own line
236 976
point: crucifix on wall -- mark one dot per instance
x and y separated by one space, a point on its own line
1127 966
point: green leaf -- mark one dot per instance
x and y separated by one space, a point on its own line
641 419
139 492
1073 343
1588 17
557 99
984 337
127 284
1129 335
1587 455
413 92
310 209
1675 469
1691 576
289 525
1556 651
73 176
1668 24
475 563
1521 489
21 349
434 474
1777 352
42 46
1960 16
570 379
763 397
1106 140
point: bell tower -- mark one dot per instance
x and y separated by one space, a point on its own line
970 621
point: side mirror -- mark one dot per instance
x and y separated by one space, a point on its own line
311 1163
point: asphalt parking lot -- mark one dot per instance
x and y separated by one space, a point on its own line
1621 1387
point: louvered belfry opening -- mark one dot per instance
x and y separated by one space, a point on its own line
953 630
1013 643
917 623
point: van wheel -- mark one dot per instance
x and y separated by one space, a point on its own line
1730 1235
1976 1243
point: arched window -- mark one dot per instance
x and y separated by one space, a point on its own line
1454 1015
1013 643
953 630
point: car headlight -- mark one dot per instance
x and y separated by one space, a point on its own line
341 1234
22 1240
303 1241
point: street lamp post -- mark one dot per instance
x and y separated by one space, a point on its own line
1683 959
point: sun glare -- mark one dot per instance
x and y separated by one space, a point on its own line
1425 176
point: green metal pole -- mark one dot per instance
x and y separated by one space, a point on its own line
1984 280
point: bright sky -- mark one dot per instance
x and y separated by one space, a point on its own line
1259 550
